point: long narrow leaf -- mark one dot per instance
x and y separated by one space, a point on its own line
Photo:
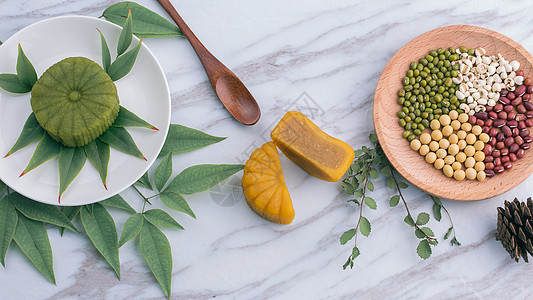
146 23
41 212
181 139
8 224
124 63
201 177
25 70
3 187
144 181
71 161
118 202
155 249
47 149
100 228
32 239
12 84
163 172
161 218
70 212
106 56
120 139
131 229
98 153
176 202
31 133
124 40
126 118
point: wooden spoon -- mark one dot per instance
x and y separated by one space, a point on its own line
229 89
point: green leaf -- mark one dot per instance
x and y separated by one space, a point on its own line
144 181
124 40
409 221
428 231
118 202
120 139
423 249
373 138
41 212
370 202
436 200
358 152
355 252
161 218
126 118
31 133
71 212
32 239
3 187
374 173
370 186
348 235
100 228
348 188
181 139
106 56
146 23
390 183
25 70
47 149
131 229
454 241
163 172
359 193
98 154
385 171
155 249
201 177
8 224
124 63
419 234
403 185
71 161
12 84
394 200
448 233
176 202
364 226
422 218
437 212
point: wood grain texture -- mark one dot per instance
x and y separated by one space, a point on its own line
230 90
409 163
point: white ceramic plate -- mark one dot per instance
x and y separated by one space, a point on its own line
143 91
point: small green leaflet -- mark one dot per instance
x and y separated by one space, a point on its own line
32 239
8 224
41 212
437 212
403 185
98 154
348 188
373 173
390 183
124 63
163 172
370 202
161 218
47 149
25 70
100 228
71 212
71 161
448 233
124 40
348 235
409 220
176 202
364 226
355 252
370 185
3 187
144 181
422 218
394 200
12 84
181 139
201 177
419 234
31 133
155 249
118 202
146 23
131 229
106 56
126 118
428 231
423 249
120 139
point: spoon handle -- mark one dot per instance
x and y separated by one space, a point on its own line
212 65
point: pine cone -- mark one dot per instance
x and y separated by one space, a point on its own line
514 228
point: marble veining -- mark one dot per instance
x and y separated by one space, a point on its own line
323 58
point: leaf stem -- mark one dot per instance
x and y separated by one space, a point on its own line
140 194
449 218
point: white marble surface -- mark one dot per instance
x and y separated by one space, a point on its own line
324 58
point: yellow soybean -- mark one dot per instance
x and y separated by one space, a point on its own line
481 175
444 144
445 120
455 125
453 139
461 144
471 173
450 159
435 124
431 157
459 175
456 165
477 130
441 153
479 145
466 126
461 134
434 146
439 163
479 166
460 157
470 150
447 130
453 115
416 144
447 170
453 149
484 137
463 118
470 138
479 156
436 135
470 162
424 149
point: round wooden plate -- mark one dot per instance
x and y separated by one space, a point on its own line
409 163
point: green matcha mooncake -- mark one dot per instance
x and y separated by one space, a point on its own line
75 101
